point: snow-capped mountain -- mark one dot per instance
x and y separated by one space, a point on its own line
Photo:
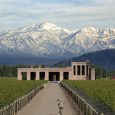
49 40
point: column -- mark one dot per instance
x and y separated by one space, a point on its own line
87 69
89 73
37 75
46 75
70 77
28 75
61 76
81 70
76 70
92 73
19 75
84 71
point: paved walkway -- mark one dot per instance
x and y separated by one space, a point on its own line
45 102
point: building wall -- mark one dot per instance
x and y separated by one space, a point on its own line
78 75
85 73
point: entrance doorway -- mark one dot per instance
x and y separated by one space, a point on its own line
24 75
33 75
54 76
42 75
66 75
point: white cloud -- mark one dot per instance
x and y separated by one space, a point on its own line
17 13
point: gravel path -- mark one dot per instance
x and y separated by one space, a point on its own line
45 102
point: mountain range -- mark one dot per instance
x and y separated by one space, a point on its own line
50 41
104 59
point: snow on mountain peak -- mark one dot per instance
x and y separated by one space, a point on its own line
47 38
88 29
47 25
52 27
39 26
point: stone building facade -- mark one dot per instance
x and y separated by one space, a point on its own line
77 71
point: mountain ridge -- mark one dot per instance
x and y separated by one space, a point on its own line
104 59
49 40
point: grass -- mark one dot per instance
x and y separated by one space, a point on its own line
99 90
11 89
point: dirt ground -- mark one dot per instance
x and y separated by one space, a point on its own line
45 102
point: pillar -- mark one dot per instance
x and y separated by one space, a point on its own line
76 70
61 76
28 75
80 70
92 73
46 75
71 77
86 75
87 72
19 75
86 69
37 75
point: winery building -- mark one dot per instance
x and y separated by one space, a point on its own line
77 71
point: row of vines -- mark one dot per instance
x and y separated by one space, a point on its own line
11 89
99 90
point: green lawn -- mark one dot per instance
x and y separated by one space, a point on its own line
101 90
11 89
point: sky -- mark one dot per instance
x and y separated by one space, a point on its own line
71 14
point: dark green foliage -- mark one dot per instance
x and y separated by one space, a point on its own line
112 73
100 72
11 71
8 71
